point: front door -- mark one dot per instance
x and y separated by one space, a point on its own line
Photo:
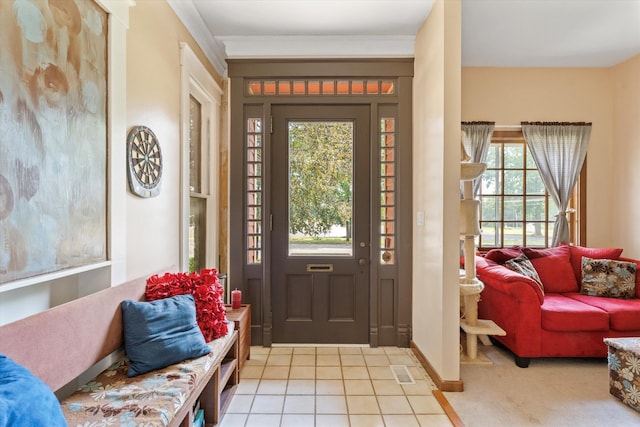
320 224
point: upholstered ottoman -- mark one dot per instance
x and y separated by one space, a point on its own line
624 370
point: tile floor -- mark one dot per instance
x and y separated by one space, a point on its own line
332 386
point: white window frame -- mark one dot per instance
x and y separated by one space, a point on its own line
197 82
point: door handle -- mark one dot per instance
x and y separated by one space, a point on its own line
362 262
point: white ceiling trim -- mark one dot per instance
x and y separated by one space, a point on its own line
212 48
318 46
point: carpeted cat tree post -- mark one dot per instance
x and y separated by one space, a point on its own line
470 286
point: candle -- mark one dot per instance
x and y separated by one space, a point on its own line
236 299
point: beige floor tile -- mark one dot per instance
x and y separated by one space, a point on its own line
400 421
327 350
233 420
295 404
279 360
297 420
275 373
350 350
355 373
366 421
264 420
332 421
247 386
387 388
362 405
394 405
303 360
258 349
328 373
328 360
434 420
251 372
267 404
395 350
416 373
300 387
331 405
401 360
240 404
256 362
361 387
281 350
258 358
374 350
376 360
329 387
304 350
421 387
352 360
380 373
272 387
425 405
302 373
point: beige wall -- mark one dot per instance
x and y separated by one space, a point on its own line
511 95
153 100
436 169
625 186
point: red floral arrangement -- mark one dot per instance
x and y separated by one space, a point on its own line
207 293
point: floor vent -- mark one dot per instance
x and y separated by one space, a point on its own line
402 374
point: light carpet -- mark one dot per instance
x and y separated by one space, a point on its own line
550 392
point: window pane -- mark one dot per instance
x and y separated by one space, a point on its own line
513 182
494 157
536 234
387 184
491 182
372 86
328 87
284 88
357 87
195 146
535 208
197 233
553 210
534 183
513 208
491 236
531 164
491 208
513 233
320 186
514 156
387 198
313 87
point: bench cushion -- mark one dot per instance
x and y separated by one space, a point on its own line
151 399
563 314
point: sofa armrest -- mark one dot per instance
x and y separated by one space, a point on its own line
507 281
637 262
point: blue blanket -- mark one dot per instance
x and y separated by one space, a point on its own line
25 400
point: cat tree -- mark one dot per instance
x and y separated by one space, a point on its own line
470 286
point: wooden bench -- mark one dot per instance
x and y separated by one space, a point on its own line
70 341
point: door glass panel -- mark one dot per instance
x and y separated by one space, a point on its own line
320 188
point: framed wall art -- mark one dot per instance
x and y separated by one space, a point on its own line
53 138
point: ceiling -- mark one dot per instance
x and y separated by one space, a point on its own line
513 33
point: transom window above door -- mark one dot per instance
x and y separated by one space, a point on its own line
356 87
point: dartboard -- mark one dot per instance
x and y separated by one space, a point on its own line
145 162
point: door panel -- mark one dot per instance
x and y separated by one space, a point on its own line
320 224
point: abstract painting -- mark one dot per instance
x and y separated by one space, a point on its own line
53 136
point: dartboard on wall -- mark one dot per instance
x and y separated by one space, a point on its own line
144 160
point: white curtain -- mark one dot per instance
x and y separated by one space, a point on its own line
476 141
559 150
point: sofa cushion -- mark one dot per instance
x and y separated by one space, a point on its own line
608 278
160 333
577 252
624 315
563 314
502 255
522 265
25 400
554 268
636 262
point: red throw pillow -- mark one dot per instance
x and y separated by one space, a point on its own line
554 268
577 252
207 292
502 255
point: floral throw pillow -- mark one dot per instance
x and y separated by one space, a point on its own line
522 265
608 278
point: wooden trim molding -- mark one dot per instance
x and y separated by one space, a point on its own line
443 385
448 409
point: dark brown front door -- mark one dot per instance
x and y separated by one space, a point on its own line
320 224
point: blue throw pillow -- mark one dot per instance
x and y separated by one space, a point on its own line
160 333
25 400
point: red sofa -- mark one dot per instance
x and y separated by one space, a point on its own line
557 321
